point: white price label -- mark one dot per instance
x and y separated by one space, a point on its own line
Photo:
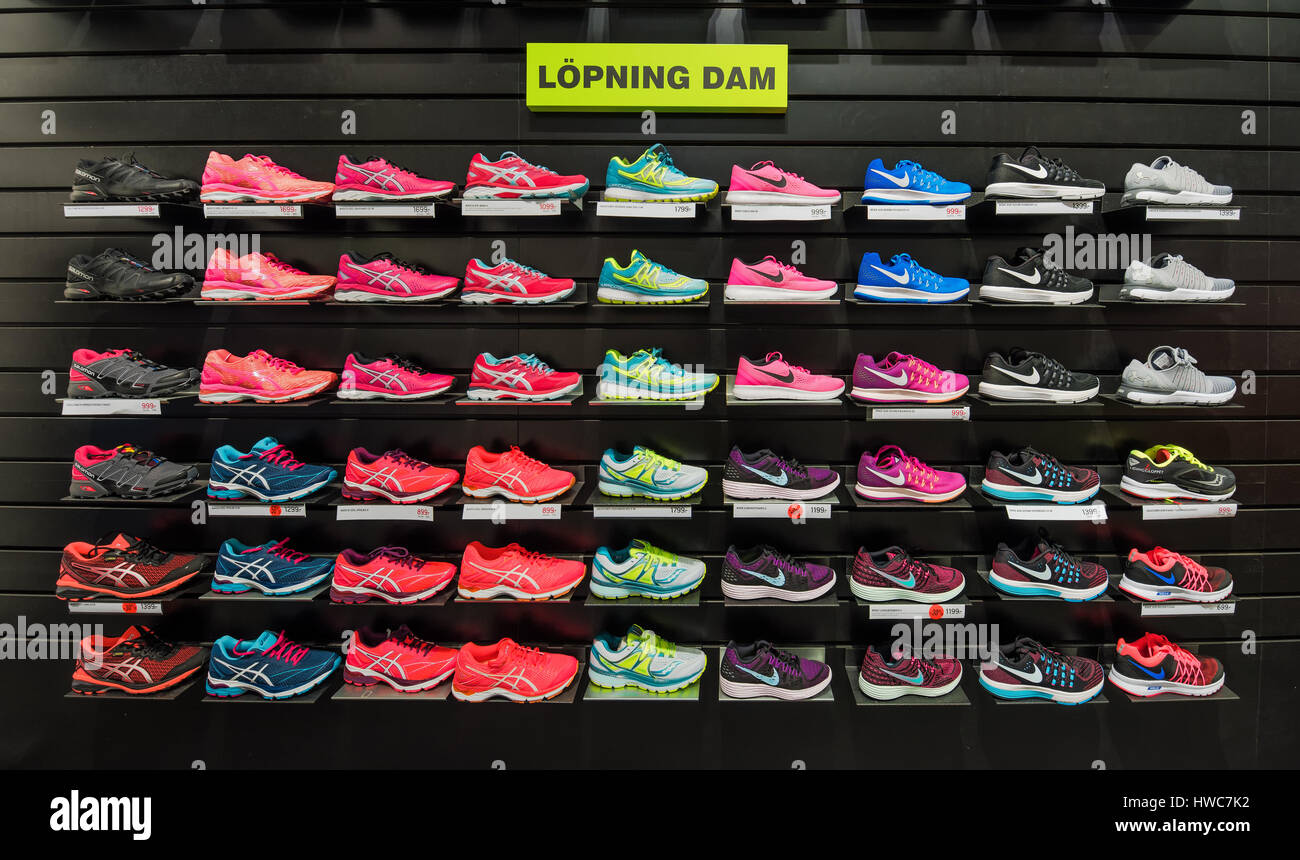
218 509
421 513
1043 207
252 210
1179 608
642 512
385 210
781 510
510 207
1176 213
110 210
506 511
920 413
94 607
647 209
908 611
774 212
923 212
1192 511
1089 513
111 406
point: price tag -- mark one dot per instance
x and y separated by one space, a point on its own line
644 209
908 611
111 406
923 212
384 210
1044 207
510 207
500 512
226 510
421 513
793 511
775 212
920 413
1179 608
642 512
95 607
1193 511
252 210
111 210
1090 513
1182 213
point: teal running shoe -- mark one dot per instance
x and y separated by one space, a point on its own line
648 475
641 659
643 570
654 176
645 282
647 375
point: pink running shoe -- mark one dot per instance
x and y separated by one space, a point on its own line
384 278
510 177
258 376
767 183
378 179
892 474
259 277
774 378
389 377
770 280
901 378
882 678
257 179
518 377
512 283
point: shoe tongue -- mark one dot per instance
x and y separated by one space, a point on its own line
638 544
266 443
130 633
635 633
638 257
122 541
1019 355
1026 254
889 453
1030 152
1162 162
1159 261
657 150
263 642
403 632
1162 358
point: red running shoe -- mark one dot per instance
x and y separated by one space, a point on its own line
257 179
907 676
389 377
400 659
138 662
389 573
512 571
258 277
123 567
1153 665
510 177
512 283
395 476
518 377
376 178
513 475
510 671
384 278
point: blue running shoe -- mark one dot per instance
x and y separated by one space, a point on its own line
643 570
642 659
909 182
645 282
654 176
647 375
270 665
269 472
271 568
905 280
649 475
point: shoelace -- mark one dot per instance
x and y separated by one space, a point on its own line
399 262
915 469
131 162
280 265
280 549
658 460
787 662
916 271
1048 658
780 265
651 643
770 164
783 560
1064 169
919 569
1183 272
400 457
279 455
286 650
267 164
521 268
1059 554
926 177
151 645
917 367
652 271
1186 176
400 556
139 548
657 555
532 361
398 169
414 643
275 361
1197 577
141 456
524 161
513 651
404 363
794 368
1189 669
525 463
131 259
791 464
132 355
661 365
1180 453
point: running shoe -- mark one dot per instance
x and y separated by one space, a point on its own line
766 475
373 178
767 183
138 662
1034 176
1024 375
883 679
115 275
1040 567
1170 278
122 567
905 280
774 378
259 277
654 176
1027 278
127 472
1160 574
647 375
518 377
893 474
770 280
639 658
1165 181
766 572
268 472
511 177
511 671
903 378
1171 472
1026 669
513 475
515 573
642 570
1153 665
1028 475
909 182
390 574
257 179
111 180
394 476
271 568
761 670
892 574
389 377
645 282
124 373
649 475
270 665
400 659
511 283
385 278
1170 376
258 376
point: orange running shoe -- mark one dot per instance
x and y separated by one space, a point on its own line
260 277
400 659
514 475
138 662
510 671
258 376
514 572
395 476
257 179
389 573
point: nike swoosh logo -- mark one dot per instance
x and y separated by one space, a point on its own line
901 183
774 580
788 376
1160 576
1033 678
772 679
910 582
917 679
901 379
774 183
1040 173
1044 575
1035 479
1159 677
1038 276
780 479
778 278
903 279
1028 378
896 481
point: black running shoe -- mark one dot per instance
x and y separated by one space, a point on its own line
115 274
1171 472
1025 375
127 472
1027 277
112 179
124 373
1033 176
1027 669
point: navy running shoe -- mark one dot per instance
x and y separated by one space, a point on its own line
270 665
271 568
269 472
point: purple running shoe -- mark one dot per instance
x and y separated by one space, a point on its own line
892 474
766 572
762 669
901 378
765 475
907 676
892 574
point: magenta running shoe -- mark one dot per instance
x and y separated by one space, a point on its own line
907 676
770 280
891 474
773 378
767 183
892 574
389 377
384 278
375 178
902 378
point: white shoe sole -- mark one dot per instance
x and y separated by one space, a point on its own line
1027 295
1179 294
1153 687
745 490
752 293
878 594
903 395
358 296
737 690
1175 398
1176 198
874 691
778 199
895 494
1034 393
1042 191
352 195
1169 491
1161 593
905 294
911 196
780 392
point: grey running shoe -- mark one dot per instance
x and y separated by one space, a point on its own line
1167 181
1170 376
124 373
1169 278
127 472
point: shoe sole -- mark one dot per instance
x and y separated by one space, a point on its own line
746 490
1024 295
737 690
1042 191
884 694
1161 491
